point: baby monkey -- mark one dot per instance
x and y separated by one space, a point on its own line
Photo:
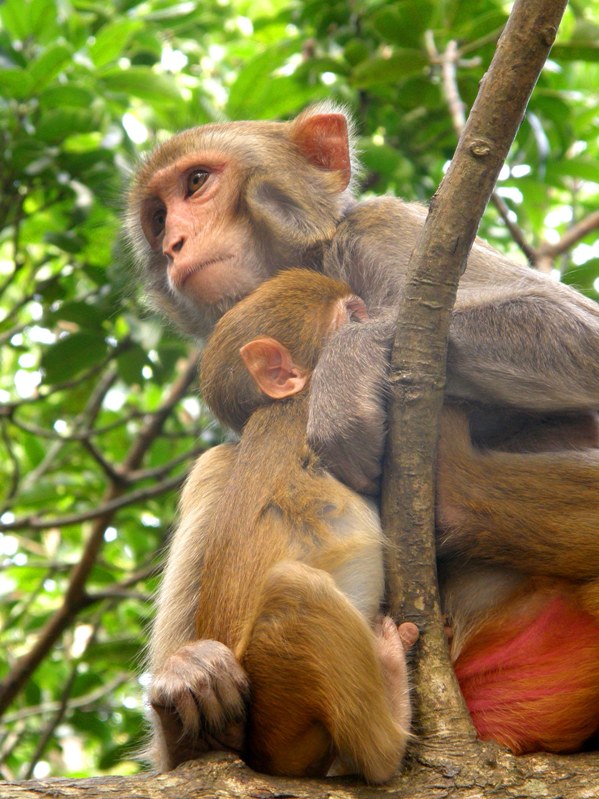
311 679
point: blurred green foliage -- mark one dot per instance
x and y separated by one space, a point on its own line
85 86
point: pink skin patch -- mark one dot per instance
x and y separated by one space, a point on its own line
537 690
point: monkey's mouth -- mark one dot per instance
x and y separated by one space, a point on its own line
179 274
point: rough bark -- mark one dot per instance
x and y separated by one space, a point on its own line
418 361
451 775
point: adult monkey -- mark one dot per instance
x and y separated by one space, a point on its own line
218 209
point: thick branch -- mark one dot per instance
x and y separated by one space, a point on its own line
220 775
420 347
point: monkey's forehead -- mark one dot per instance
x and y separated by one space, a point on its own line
250 143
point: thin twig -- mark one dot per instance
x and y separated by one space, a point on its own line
571 237
81 701
109 507
75 594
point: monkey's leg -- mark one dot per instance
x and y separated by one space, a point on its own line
198 699
589 597
317 683
534 512
528 668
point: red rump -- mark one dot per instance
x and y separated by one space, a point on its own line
537 689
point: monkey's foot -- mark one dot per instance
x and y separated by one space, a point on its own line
392 642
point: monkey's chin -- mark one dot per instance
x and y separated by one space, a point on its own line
214 281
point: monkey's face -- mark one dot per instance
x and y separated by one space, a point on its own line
218 209
203 248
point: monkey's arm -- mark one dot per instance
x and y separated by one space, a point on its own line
177 601
198 690
537 512
532 345
347 423
517 337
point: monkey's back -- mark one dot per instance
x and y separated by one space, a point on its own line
290 509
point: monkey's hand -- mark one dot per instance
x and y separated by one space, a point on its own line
348 392
200 696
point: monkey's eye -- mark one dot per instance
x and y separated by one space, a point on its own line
196 180
158 221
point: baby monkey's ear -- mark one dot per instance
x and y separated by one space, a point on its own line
272 368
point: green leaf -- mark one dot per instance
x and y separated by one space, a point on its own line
252 94
83 314
119 752
355 51
91 724
68 95
33 18
67 241
58 125
403 23
45 68
173 11
130 364
72 355
380 158
583 45
583 277
111 40
16 19
400 65
576 50
34 449
16 83
143 83
582 168
123 651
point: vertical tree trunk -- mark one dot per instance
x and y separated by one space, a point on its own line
418 361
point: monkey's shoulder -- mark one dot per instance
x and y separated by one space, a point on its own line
387 228
321 505
380 220
209 474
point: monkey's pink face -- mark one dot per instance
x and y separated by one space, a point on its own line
188 217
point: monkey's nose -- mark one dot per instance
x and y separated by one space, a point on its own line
171 249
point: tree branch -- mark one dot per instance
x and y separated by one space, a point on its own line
419 354
543 256
109 507
221 775
570 237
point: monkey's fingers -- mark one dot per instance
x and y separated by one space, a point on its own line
206 687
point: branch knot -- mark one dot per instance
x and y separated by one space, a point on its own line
480 148
548 34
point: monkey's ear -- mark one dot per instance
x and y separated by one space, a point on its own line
324 142
272 368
